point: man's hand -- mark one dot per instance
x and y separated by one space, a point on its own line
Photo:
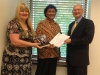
67 41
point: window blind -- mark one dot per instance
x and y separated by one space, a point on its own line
63 17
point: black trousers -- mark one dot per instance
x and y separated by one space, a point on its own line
76 70
46 66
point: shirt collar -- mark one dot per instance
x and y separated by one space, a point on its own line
79 19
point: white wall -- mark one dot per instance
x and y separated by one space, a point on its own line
94 67
7 10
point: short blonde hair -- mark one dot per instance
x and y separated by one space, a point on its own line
23 6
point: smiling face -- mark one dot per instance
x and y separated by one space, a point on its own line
24 14
77 11
50 14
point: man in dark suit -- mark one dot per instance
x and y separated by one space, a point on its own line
78 44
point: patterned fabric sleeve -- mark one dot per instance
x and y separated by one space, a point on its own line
13 27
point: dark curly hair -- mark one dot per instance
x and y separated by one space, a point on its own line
47 7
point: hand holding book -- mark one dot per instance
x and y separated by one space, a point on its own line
42 39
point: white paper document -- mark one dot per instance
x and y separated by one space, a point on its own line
59 39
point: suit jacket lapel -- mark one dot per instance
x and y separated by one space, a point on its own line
78 26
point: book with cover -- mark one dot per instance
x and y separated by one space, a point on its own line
42 39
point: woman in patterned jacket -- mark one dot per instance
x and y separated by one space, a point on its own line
48 56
